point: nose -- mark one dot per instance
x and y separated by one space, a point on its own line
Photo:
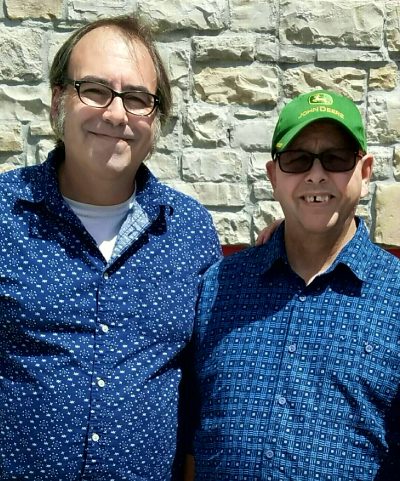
115 113
317 173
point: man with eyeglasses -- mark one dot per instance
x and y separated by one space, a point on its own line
100 265
297 342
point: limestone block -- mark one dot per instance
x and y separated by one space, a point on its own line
171 136
257 166
215 194
384 116
383 78
164 166
295 54
40 129
169 15
267 48
351 55
392 26
25 9
382 162
212 166
25 103
20 58
233 227
396 163
387 228
255 15
91 10
252 134
242 85
176 60
364 211
6 167
332 23
265 213
54 41
262 190
206 126
11 139
226 47
41 152
347 81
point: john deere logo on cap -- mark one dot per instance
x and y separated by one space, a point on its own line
320 99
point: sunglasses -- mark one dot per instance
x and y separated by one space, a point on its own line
300 161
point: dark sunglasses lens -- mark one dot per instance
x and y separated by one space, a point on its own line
338 160
295 161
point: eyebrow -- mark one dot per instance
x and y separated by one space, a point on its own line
128 88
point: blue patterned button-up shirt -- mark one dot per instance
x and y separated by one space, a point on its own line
299 382
90 350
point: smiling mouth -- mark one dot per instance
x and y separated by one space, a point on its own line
317 199
113 137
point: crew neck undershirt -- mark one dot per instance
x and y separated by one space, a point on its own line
102 222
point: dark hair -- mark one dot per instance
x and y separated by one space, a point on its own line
132 29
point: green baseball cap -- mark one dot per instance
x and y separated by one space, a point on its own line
316 105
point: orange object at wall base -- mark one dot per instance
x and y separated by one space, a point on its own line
231 249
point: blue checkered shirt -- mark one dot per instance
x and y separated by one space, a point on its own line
299 382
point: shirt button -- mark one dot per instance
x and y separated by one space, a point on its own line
302 298
101 383
104 328
292 348
95 437
369 348
269 454
105 275
281 400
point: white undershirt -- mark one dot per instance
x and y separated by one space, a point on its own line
102 222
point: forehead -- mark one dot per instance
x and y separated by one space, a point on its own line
324 130
106 52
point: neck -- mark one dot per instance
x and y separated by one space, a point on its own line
312 254
100 192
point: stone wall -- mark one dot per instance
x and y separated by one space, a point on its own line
233 64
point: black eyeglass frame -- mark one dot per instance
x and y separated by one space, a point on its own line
114 93
313 156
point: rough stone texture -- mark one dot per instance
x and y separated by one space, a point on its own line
332 23
383 78
387 229
21 9
249 85
11 137
393 26
233 64
20 58
234 227
225 48
169 15
396 163
206 126
211 165
256 15
344 80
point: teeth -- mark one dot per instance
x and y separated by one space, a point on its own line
317 198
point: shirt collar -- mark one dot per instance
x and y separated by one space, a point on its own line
43 185
355 254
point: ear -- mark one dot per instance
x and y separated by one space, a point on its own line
366 173
55 101
271 172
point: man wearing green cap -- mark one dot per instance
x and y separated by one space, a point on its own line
297 342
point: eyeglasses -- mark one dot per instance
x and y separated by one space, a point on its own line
99 96
300 161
